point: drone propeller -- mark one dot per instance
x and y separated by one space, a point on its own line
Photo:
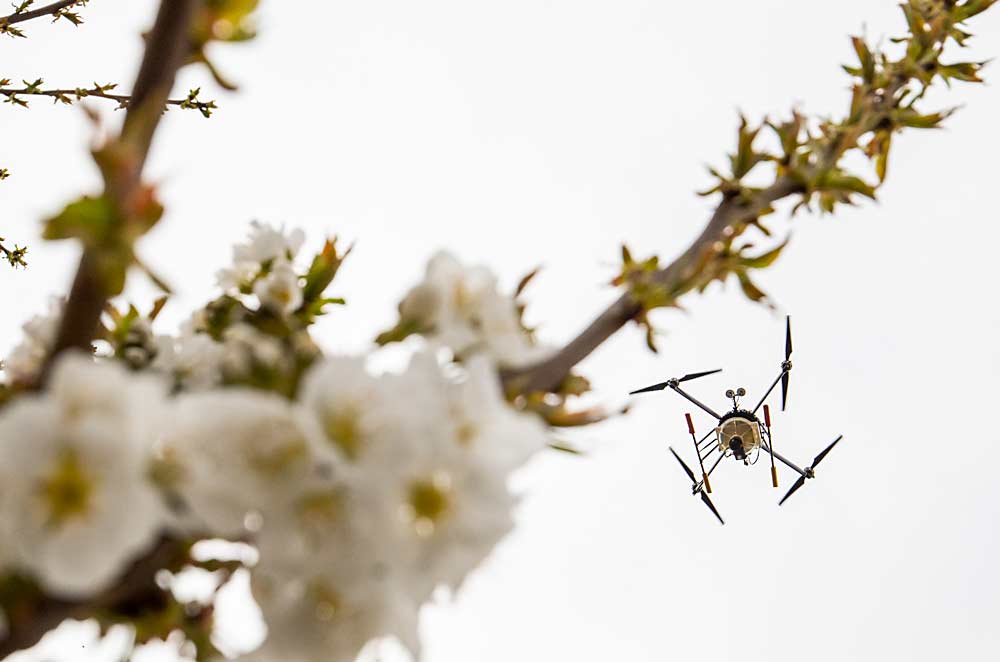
809 470
698 490
684 465
663 385
711 506
795 486
788 355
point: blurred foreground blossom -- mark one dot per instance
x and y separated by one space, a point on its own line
362 493
76 503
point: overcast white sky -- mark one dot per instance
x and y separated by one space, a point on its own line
550 131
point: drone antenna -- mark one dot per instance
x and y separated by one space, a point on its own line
770 445
694 438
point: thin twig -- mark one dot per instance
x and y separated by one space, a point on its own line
47 10
124 100
14 256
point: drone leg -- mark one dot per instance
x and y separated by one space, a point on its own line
694 438
770 445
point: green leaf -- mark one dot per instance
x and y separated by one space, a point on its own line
752 292
839 181
970 9
913 119
322 271
765 259
867 71
88 219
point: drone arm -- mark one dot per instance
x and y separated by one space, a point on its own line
778 379
688 397
788 463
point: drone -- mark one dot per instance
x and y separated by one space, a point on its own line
739 433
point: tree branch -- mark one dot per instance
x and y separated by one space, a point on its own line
135 592
548 374
67 96
166 50
47 10
15 256
732 214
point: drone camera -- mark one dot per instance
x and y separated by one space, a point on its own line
736 445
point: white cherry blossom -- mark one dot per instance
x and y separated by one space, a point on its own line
75 465
461 308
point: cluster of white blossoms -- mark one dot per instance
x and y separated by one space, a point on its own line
461 308
264 266
263 276
363 493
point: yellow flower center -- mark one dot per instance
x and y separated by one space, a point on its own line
278 460
67 491
327 601
466 432
320 508
343 428
428 502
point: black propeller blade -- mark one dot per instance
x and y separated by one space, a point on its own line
799 483
699 491
663 385
654 387
788 355
687 469
826 450
708 502
809 470
696 375
788 337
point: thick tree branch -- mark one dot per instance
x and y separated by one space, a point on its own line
135 592
548 374
166 50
